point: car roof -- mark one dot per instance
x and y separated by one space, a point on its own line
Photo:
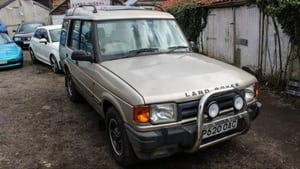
50 27
115 13
32 23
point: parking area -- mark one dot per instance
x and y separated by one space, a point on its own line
41 128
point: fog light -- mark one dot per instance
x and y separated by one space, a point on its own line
213 110
238 103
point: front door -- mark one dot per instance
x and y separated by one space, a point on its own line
80 39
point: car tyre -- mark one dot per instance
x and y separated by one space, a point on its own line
54 64
72 92
32 56
120 146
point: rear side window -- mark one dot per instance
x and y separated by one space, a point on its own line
37 34
74 36
44 34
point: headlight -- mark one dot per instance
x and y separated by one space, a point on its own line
250 93
163 113
238 103
17 38
213 110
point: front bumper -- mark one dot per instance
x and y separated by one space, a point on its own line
12 63
167 141
23 44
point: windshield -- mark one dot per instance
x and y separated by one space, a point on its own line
4 39
126 38
28 28
55 34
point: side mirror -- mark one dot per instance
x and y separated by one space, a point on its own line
43 41
80 55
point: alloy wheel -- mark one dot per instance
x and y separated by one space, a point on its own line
115 136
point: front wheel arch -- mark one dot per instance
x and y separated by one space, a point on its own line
108 99
32 56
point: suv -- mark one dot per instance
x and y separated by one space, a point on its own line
136 69
24 33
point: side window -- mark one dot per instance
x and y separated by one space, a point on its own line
64 30
44 34
37 34
73 41
86 43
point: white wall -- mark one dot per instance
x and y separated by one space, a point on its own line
247 28
14 13
57 19
219 42
217 37
11 17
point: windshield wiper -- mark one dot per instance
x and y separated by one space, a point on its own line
135 52
173 48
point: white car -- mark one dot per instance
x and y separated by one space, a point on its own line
44 46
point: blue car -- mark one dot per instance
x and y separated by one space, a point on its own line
11 54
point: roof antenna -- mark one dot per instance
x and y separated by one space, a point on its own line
130 2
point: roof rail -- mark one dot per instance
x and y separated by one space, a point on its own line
121 7
70 12
95 9
155 6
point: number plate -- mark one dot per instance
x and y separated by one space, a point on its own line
219 127
3 62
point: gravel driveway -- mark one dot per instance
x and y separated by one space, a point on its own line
41 128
